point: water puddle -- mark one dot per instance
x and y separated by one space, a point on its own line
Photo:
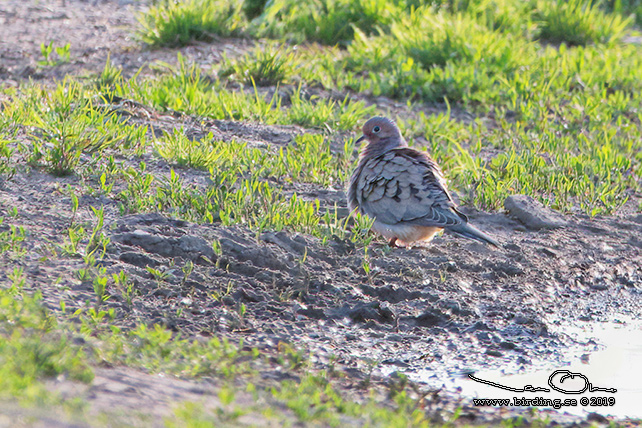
610 364
614 374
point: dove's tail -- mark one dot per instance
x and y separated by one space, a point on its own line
471 232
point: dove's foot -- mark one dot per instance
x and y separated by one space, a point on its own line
393 243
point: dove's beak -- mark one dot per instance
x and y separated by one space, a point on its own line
360 139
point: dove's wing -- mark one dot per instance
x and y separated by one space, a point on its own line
405 186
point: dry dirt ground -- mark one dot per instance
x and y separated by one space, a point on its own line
451 308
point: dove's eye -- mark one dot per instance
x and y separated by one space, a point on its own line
376 129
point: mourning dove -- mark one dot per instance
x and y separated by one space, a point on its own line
404 190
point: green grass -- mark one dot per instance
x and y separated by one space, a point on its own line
170 23
156 349
326 21
579 22
566 130
32 345
185 89
69 130
265 66
11 239
230 200
626 8
336 22
308 159
504 15
64 124
435 39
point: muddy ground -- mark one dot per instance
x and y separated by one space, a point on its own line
450 308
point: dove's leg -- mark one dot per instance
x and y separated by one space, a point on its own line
393 242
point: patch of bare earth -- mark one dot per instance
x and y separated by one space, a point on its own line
95 31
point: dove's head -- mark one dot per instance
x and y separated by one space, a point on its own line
382 135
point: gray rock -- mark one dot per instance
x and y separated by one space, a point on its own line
533 214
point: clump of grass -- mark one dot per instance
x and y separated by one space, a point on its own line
434 39
11 240
64 125
579 22
503 15
434 55
239 191
596 183
266 65
182 151
314 111
186 90
110 75
171 23
315 399
229 200
7 170
311 160
326 21
62 52
568 165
